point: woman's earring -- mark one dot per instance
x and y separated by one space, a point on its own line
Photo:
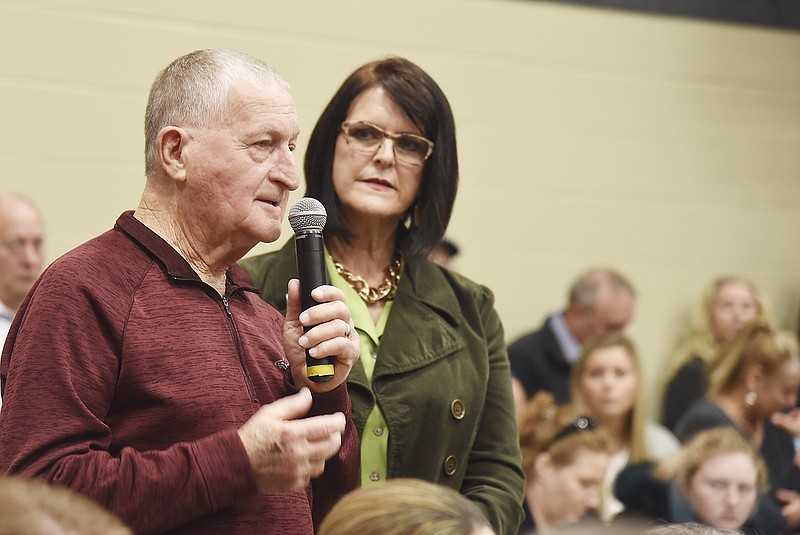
750 398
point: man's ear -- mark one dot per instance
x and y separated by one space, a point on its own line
170 144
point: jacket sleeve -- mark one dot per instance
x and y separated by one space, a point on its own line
494 480
60 371
342 471
641 491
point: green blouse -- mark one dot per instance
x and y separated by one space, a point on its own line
375 439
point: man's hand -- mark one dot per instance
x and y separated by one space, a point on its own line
333 334
286 452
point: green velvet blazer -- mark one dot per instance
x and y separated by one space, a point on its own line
442 381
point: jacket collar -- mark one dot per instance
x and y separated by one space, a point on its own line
426 306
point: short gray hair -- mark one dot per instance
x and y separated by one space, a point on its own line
192 91
585 290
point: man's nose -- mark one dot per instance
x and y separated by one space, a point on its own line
285 171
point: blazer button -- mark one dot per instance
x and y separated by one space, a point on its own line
450 465
374 476
457 409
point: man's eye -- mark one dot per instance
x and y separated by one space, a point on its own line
264 143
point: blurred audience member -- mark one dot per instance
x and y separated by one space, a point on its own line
21 254
753 377
565 457
727 305
600 301
607 385
405 506
33 507
444 253
716 479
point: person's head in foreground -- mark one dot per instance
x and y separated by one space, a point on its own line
405 506
34 507
688 528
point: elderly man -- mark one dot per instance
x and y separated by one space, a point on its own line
145 371
21 254
601 300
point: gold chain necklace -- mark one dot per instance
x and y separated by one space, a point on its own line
386 290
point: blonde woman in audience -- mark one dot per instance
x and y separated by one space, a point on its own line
565 456
716 479
755 376
727 305
34 507
405 506
607 385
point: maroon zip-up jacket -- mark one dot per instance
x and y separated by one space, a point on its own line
126 378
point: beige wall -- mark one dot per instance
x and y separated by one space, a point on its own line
669 148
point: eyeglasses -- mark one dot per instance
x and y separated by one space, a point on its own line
581 423
367 138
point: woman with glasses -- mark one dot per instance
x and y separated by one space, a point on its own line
431 392
606 384
565 457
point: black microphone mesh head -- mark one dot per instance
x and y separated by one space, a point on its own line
307 214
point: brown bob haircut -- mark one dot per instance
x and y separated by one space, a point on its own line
427 107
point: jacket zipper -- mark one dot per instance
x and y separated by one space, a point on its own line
232 325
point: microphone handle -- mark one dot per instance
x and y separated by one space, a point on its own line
310 250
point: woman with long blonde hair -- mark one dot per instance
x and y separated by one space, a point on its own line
607 385
727 305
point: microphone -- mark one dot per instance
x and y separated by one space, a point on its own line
307 218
